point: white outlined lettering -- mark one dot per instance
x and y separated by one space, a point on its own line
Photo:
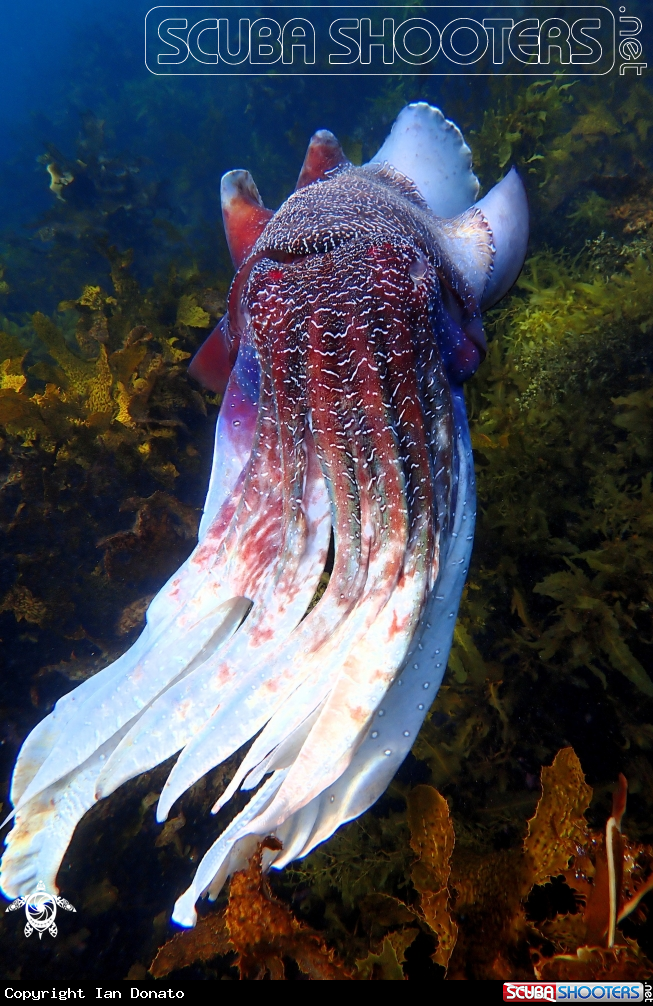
324 40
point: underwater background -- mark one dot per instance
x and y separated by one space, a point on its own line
113 268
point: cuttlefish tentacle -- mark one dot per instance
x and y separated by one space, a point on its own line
342 447
388 340
312 654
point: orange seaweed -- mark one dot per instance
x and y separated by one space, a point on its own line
258 928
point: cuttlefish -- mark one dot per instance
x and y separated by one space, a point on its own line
342 445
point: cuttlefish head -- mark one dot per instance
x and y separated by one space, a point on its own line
484 241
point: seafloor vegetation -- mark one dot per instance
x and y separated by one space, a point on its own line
478 863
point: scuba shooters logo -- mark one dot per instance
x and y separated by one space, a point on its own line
486 40
40 910
573 992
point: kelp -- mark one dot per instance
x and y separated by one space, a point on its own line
103 199
574 326
493 898
603 539
432 841
95 191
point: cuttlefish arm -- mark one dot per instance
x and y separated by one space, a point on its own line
389 735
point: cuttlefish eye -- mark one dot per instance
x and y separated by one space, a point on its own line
418 269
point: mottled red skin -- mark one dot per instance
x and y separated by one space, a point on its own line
323 155
347 328
355 341
243 223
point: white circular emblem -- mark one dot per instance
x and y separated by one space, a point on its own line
41 910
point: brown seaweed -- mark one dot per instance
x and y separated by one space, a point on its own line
259 929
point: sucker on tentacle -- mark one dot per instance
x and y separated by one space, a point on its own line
353 319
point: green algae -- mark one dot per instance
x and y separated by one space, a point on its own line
573 141
99 421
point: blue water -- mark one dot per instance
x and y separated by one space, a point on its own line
63 62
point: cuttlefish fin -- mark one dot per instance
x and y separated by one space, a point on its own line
324 153
243 213
487 243
505 208
485 240
468 243
431 151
